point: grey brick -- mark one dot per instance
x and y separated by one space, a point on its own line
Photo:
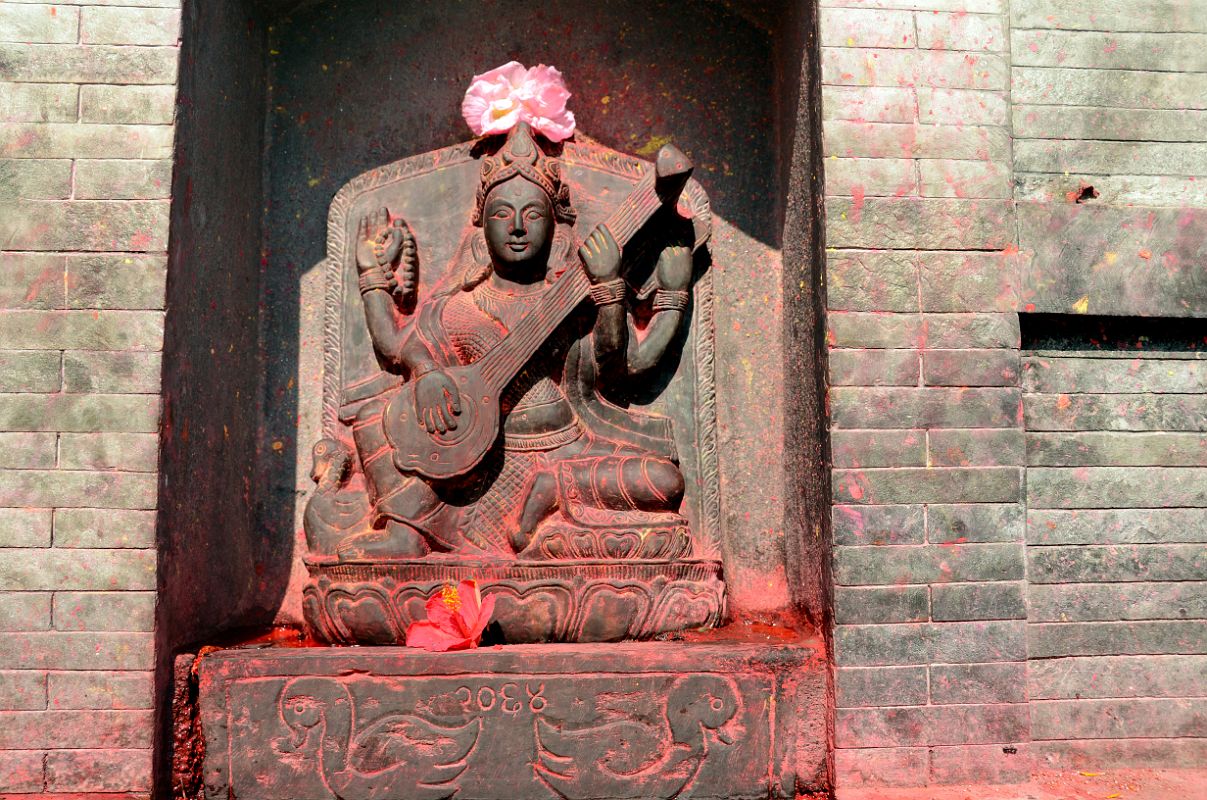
116 281
1114 375
1171 52
70 63
978 683
980 763
972 179
1119 676
101 771
101 690
977 642
128 105
878 525
32 280
880 604
1114 190
969 282
878 645
1116 412
880 766
43 488
860 280
132 452
25 527
882 686
971 331
53 569
932 485
79 413
1123 15
105 528
981 522
25 690
1117 526
87 729
1115 487
926 643
1111 88
878 448
889 67
38 23
104 611
36 102
874 367
970 367
58 650
35 178
975 601
31 370
1123 753
1088 602
123 179
932 725
1055 122
67 140
27 450
962 31
871 177
912 407
1121 562
1052 640
896 565
24 611
1118 719
22 771
853 27
141 26
974 106
920 223
86 225
1104 448
873 104
854 329
117 372
975 447
883 140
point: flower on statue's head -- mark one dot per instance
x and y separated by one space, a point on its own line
456 617
499 99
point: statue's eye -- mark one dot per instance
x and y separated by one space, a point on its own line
501 213
534 214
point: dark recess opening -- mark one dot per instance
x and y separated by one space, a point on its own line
1100 332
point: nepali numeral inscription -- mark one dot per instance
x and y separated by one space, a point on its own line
508 698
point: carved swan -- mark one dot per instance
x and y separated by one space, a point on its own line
634 757
397 755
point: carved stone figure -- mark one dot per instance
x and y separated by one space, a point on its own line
494 435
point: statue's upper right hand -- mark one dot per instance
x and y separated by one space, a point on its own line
437 402
378 240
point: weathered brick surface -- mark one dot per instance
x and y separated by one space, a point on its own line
104 611
1074 602
108 770
878 448
100 690
21 770
882 686
974 724
1120 676
963 684
878 525
980 522
22 690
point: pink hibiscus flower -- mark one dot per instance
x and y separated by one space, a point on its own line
456 617
498 99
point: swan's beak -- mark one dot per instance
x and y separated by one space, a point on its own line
724 736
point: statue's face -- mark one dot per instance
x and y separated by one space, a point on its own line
517 221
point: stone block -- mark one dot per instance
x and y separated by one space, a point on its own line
878 448
887 565
123 179
869 103
38 23
926 643
79 412
977 642
856 27
129 452
853 329
74 651
980 522
844 66
881 645
81 330
953 282
27 450
863 177
971 331
962 31
931 725
882 686
31 280
86 225
104 528
1080 754
901 407
999 367
24 371
883 140
1113 563
974 447
36 179
128 105
966 179
878 525
1114 190
36 102
1116 487
139 26
966 107
43 488
1169 52
21 771
1095 157
920 223
1124 124
104 611
63 140
1121 526
72 63
975 601
25 527
1110 88
116 281
24 690
515 722
965 684
1056 640
881 766
862 280
1132 15
1115 412
42 569
1090 602
981 764
1118 719
874 367
931 485
101 690
1045 374
118 372
880 604
51 729
24 611
1119 676
1110 449
110 770
967 6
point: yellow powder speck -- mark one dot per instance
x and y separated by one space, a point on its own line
1082 306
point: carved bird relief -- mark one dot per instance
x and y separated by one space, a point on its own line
396 755
632 757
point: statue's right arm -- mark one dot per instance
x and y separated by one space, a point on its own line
398 345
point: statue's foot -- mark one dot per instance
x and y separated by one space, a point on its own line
395 541
541 502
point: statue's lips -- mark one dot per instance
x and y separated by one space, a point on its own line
517 247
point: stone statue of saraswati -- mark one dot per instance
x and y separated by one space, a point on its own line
518 391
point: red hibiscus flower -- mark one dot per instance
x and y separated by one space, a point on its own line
456 617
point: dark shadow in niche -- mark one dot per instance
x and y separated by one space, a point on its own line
1089 332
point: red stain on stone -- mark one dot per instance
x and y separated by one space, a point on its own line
857 204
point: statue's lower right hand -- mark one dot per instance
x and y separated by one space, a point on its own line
437 402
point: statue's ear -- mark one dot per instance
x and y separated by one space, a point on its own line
477 244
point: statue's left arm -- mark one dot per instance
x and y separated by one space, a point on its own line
673 274
601 257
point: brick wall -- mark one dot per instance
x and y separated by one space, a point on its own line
960 136
87 93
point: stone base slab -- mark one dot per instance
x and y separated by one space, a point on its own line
639 720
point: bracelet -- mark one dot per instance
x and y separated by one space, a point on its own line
671 299
368 281
608 292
